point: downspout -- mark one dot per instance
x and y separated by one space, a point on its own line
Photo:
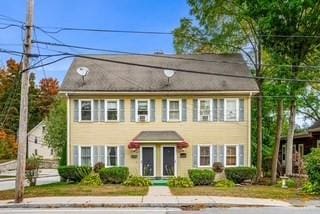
68 129
249 131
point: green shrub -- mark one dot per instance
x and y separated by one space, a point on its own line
291 183
74 173
240 174
311 188
114 175
224 183
180 182
312 166
98 166
201 176
32 169
137 181
91 180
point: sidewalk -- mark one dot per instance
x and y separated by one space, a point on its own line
157 197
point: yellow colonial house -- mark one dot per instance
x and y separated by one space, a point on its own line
159 115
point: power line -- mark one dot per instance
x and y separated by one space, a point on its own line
68 55
170 57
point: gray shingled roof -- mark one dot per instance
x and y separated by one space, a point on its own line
158 136
107 76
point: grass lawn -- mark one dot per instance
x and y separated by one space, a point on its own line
254 191
63 189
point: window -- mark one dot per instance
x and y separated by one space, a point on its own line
85 110
205 156
204 109
112 110
174 110
284 150
43 129
231 109
142 110
231 156
51 151
318 143
36 152
85 156
112 156
36 140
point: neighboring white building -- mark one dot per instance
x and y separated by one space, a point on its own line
36 143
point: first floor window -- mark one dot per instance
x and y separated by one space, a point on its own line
204 156
85 156
112 156
51 151
112 110
318 143
35 152
85 110
231 109
174 110
231 155
204 110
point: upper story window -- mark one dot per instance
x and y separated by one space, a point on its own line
142 110
204 109
85 110
36 140
112 110
231 110
174 110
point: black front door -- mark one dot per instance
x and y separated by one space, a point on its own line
147 161
168 163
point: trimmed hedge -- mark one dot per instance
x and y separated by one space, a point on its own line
114 175
74 173
240 174
201 176
224 184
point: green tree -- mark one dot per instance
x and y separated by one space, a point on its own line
289 30
56 130
221 26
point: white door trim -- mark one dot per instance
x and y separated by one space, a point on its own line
154 160
175 159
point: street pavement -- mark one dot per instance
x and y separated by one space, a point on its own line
245 210
10 184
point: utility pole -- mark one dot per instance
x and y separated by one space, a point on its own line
23 121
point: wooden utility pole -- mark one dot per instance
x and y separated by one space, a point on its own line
23 121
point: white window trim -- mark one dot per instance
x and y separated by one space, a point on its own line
106 110
106 155
79 109
168 110
136 109
79 154
175 159
318 143
211 110
210 147
237 155
225 109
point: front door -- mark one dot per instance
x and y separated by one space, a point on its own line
147 161
168 161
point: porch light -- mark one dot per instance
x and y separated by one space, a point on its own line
133 146
182 145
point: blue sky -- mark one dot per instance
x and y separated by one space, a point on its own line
142 15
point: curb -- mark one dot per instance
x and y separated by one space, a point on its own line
122 205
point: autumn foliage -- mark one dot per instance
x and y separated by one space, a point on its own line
8 146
